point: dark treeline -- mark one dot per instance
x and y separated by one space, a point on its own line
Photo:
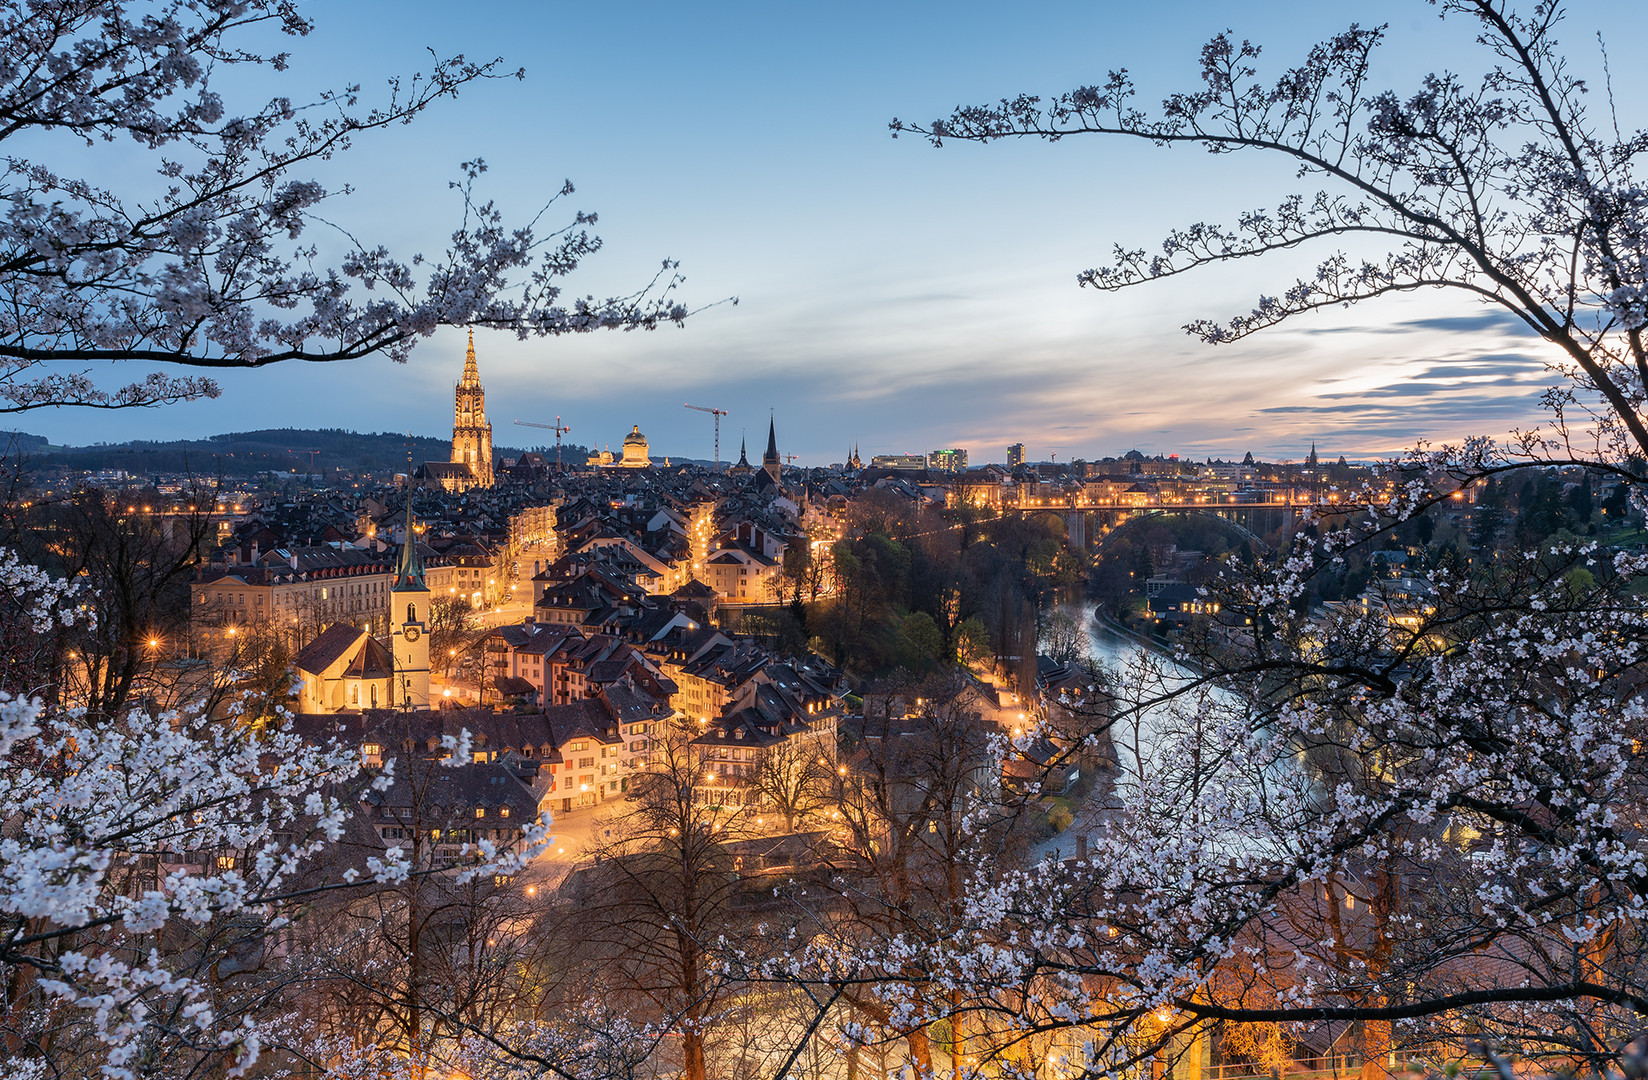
916 587
1516 511
247 453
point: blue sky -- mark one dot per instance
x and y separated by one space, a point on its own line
892 295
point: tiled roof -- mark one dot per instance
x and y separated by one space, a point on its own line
326 649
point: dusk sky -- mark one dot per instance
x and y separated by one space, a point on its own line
893 295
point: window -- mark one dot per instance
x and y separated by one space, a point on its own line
503 811
225 862
480 811
586 763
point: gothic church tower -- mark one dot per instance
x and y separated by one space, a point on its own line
769 460
471 431
409 623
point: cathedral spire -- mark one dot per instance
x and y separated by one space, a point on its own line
471 430
471 373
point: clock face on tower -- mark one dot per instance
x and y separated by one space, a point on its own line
412 633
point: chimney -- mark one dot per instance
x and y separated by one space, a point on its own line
1081 847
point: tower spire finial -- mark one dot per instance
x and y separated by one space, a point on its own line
409 574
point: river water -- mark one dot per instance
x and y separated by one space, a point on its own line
1149 737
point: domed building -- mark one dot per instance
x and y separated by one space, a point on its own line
635 450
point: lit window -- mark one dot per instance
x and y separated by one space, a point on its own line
480 811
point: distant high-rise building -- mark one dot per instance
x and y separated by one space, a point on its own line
1015 455
951 460
898 461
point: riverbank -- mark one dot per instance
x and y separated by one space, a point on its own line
1116 628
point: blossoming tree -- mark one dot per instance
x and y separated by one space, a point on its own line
145 850
213 268
145 855
1401 824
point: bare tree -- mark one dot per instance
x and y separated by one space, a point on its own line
661 895
134 555
795 776
920 823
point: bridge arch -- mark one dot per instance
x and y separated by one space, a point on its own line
1139 516
1054 515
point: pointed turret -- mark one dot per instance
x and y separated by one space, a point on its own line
409 574
471 373
770 460
743 466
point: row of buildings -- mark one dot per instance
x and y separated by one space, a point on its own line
619 585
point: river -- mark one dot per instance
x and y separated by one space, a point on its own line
1150 737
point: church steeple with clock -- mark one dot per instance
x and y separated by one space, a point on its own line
409 623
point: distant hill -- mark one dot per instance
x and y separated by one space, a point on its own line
248 453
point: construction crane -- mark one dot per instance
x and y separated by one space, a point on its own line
312 454
718 414
558 428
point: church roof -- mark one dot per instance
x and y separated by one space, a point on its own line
771 456
372 662
326 649
444 470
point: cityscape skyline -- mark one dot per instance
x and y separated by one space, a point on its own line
872 308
